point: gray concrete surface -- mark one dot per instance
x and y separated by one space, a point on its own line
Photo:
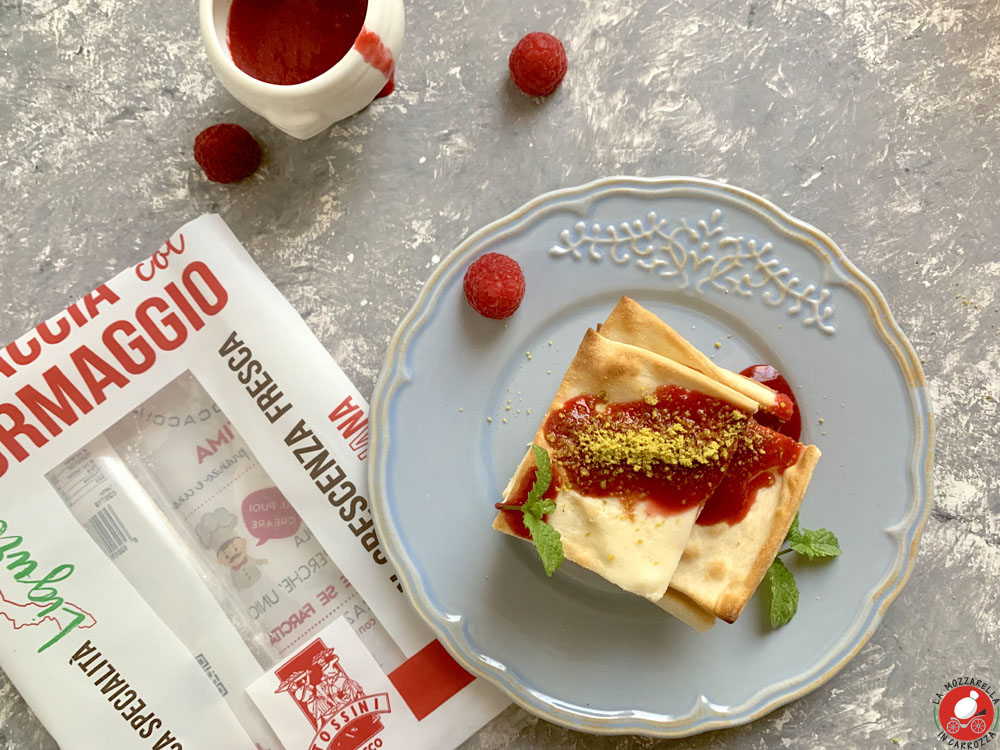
876 121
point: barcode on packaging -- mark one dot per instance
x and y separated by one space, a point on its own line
107 529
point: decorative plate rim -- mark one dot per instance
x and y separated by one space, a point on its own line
697 719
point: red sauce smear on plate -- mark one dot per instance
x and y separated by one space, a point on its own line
292 41
786 419
670 448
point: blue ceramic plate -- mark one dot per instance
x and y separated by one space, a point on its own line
721 266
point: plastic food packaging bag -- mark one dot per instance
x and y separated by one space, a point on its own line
187 557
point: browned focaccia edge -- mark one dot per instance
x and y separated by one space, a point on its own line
685 609
795 481
633 324
603 366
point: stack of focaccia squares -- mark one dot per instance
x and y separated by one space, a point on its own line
663 482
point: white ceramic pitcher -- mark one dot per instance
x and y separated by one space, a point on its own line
305 109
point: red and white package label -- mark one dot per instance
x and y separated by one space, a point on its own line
184 507
333 695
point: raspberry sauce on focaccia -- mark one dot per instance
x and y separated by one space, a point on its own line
670 448
786 419
761 455
673 448
770 446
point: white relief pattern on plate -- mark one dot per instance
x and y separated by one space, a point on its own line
699 255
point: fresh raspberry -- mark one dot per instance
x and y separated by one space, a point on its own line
494 285
227 153
538 64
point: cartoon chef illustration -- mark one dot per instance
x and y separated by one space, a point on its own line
217 532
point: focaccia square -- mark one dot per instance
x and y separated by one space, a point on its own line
723 563
692 425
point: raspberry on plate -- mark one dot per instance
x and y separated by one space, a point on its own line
227 153
538 64
494 285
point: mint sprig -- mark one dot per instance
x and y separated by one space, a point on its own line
784 593
818 543
543 478
813 544
547 540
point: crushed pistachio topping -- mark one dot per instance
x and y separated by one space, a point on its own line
662 440
645 450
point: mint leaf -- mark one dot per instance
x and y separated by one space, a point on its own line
793 531
547 541
816 543
784 594
543 478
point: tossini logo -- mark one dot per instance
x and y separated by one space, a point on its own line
966 713
344 717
